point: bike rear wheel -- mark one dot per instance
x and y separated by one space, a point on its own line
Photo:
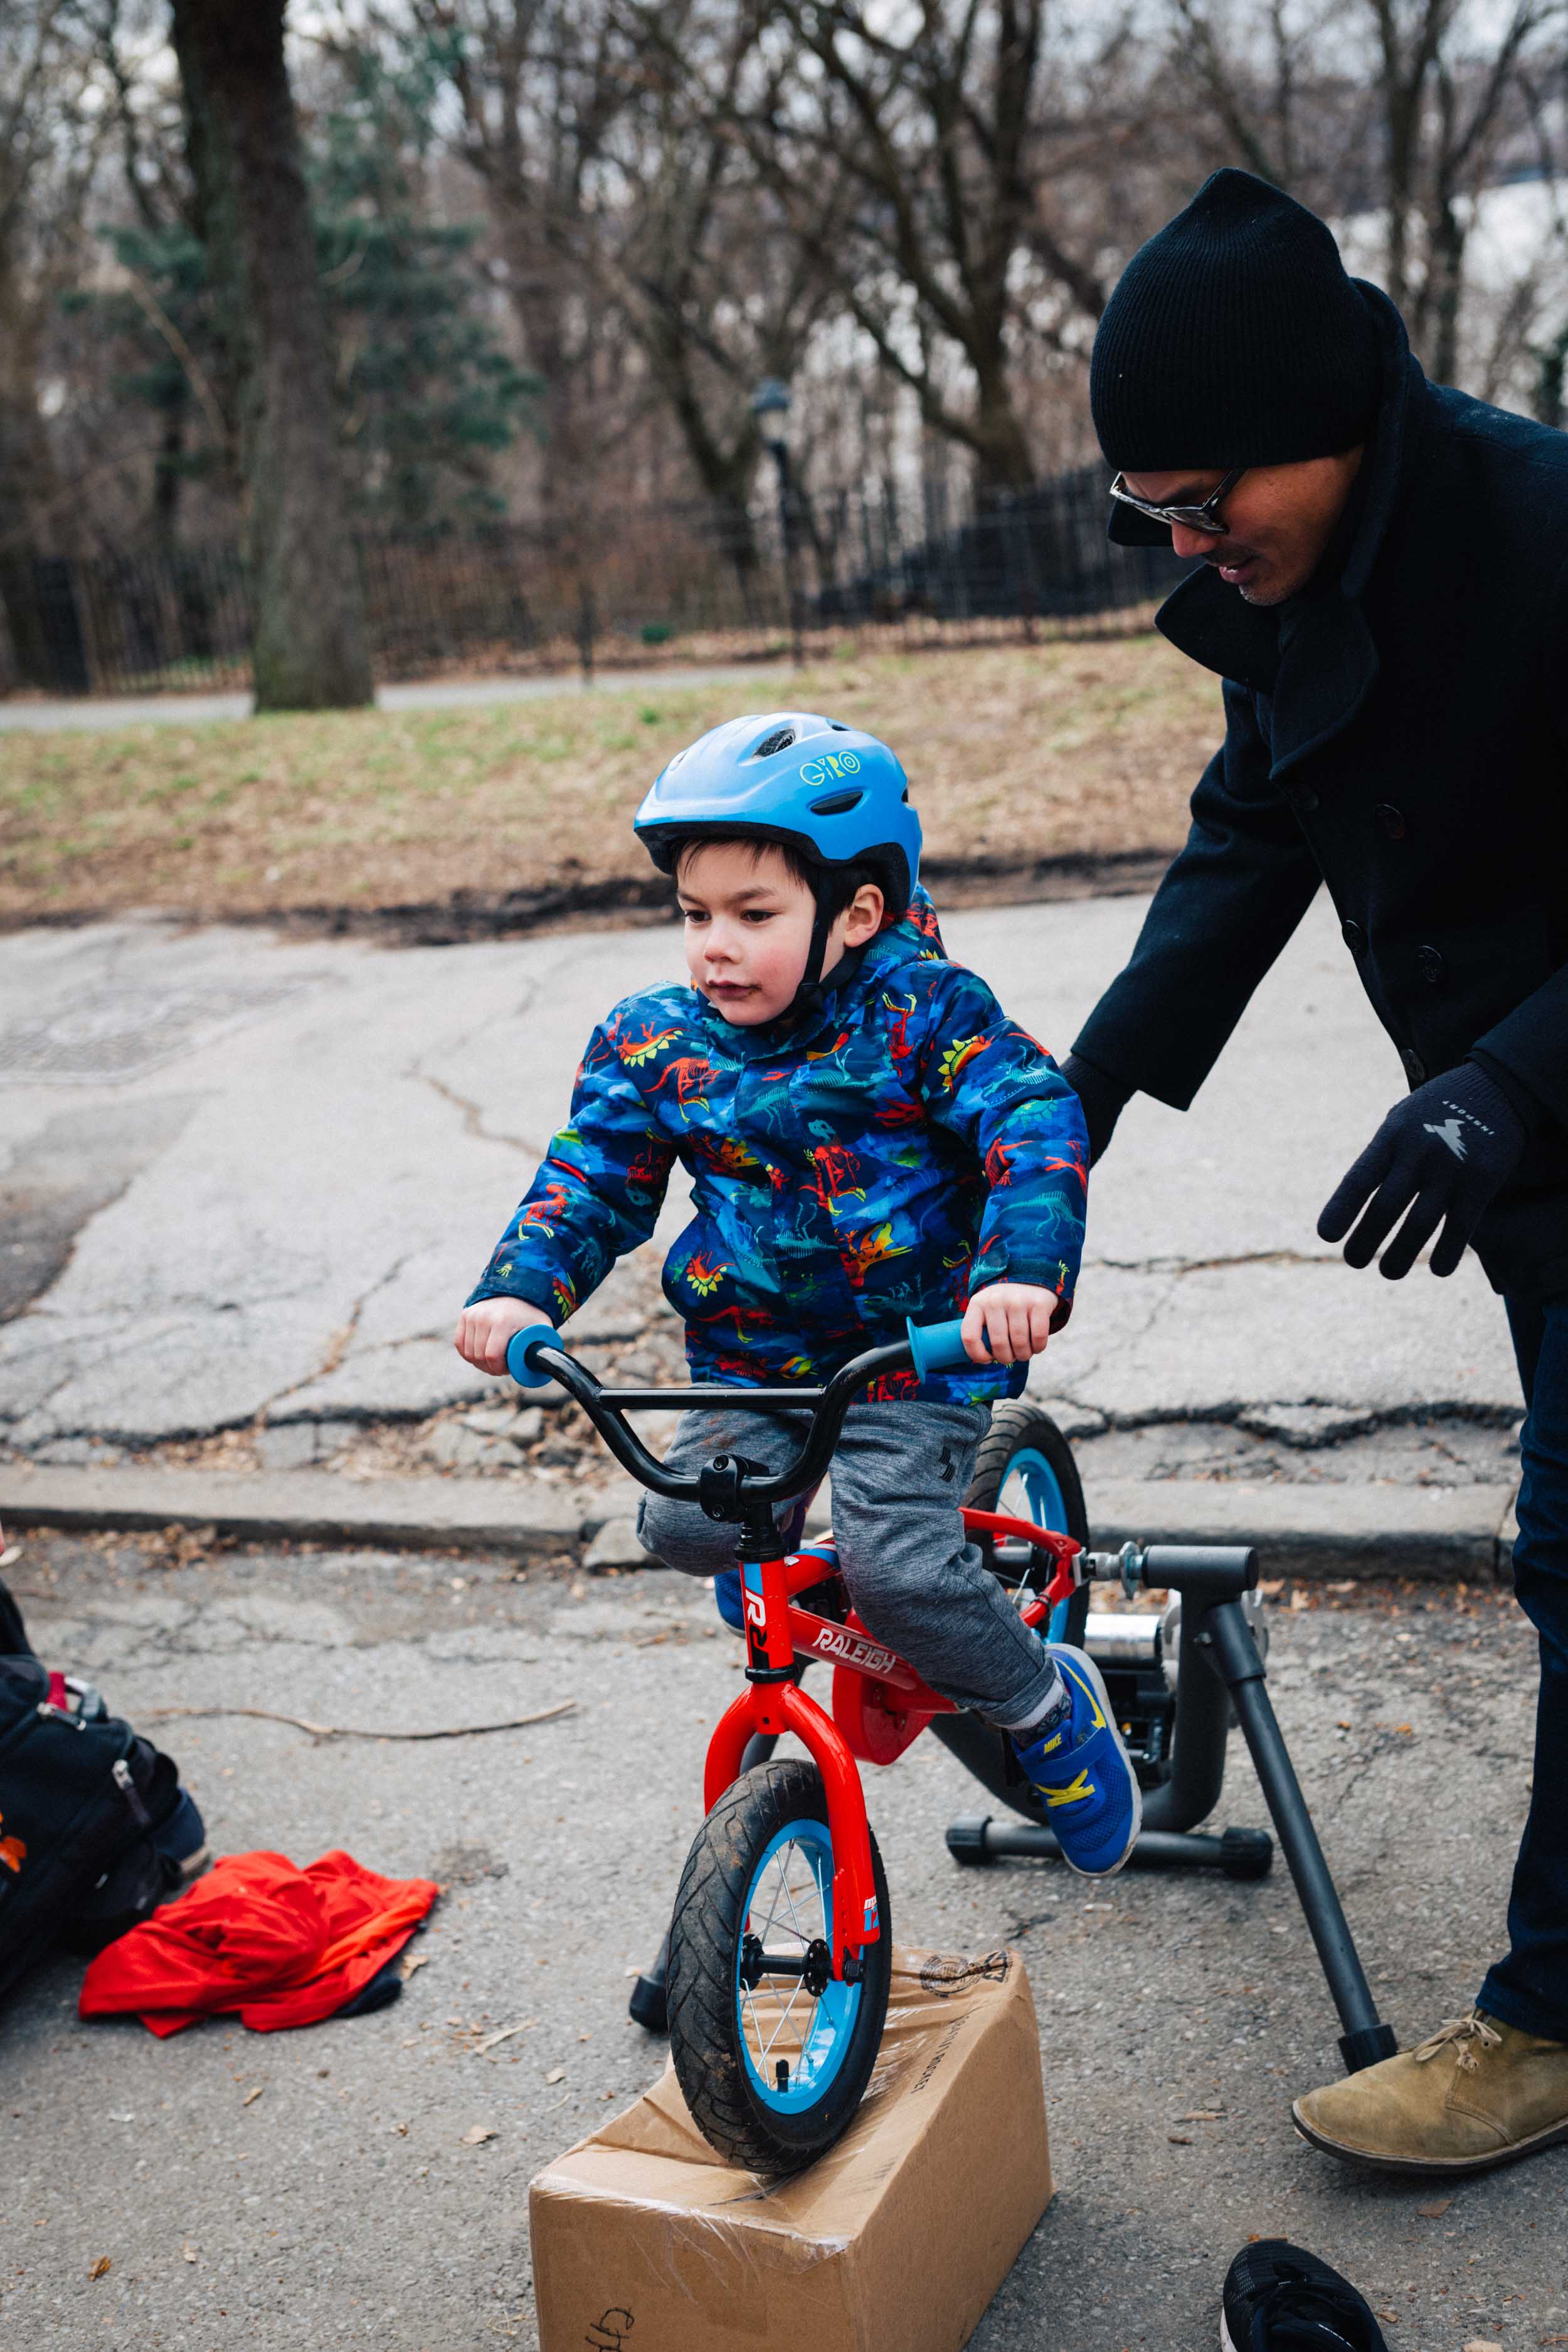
771 2052
1024 1469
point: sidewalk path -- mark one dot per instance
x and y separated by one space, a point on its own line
248 1176
436 694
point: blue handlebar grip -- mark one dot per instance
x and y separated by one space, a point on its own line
517 1348
938 1347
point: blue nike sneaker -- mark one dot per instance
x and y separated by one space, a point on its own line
1084 1773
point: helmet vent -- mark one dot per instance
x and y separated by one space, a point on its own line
780 741
839 726
836 803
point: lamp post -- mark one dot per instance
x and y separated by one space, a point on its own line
770 408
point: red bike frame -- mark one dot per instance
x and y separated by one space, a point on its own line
879 1704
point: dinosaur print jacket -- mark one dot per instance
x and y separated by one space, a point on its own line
907 1146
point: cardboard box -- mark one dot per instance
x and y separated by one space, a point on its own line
645 2241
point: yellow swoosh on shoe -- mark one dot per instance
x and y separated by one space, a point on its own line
1086 1687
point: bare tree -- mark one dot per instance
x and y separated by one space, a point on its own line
308 648
50 147
1421 92
949 121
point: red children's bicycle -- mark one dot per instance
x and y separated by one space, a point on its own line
780 1943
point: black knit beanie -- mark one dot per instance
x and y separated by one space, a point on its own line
1233 338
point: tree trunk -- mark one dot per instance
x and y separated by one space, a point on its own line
309 651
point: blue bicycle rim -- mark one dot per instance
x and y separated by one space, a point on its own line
1046 1506
813 2032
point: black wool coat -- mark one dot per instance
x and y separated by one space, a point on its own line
1401 734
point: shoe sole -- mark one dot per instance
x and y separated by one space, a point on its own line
1450 2166
1083 1663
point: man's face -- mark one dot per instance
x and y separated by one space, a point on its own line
1277 520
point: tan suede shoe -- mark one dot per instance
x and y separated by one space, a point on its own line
1478 2093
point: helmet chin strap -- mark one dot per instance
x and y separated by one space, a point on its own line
808 997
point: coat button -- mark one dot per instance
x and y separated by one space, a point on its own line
1303 799
1430 966
1353 937
1390 821
1414 1067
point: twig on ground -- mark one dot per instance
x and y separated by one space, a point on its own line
350 1731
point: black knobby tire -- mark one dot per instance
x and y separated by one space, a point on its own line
706 2024
1017 1427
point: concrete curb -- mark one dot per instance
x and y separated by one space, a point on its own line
312 1506
1300 1530
1444 1533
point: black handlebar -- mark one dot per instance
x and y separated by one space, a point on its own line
725 1489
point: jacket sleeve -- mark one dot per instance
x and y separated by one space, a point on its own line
1226 909
1531 1042
986 1082
597 1195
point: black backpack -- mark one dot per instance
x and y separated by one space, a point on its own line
82 1799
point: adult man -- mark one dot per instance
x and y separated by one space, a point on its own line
1382 588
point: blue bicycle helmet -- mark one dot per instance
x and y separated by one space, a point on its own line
839 796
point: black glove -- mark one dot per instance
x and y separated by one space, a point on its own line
1441 1153
1101 1097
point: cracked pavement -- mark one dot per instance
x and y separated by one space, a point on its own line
1178 2013
253 1178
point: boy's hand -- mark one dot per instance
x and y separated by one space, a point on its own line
483 1330
1008 1322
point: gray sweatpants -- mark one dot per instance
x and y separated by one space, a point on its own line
900 1475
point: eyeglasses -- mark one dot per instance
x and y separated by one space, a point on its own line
1204 518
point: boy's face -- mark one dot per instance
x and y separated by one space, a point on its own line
748 929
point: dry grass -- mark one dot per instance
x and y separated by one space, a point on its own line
1016 754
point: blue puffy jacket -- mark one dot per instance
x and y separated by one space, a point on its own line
909 1146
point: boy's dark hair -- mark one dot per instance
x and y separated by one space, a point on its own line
835 884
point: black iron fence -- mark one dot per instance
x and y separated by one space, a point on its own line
676 584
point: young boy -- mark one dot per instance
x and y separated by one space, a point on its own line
868 1138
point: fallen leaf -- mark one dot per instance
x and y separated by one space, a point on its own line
477 2135
410 1961
100 2268
1271 1584
1298 1600
1483 2344
188 2251
251 2096
1342 1725
556 2074
1201 2115
1407 1731
1435 2210
1178 2139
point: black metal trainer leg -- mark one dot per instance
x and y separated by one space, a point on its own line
1227 1637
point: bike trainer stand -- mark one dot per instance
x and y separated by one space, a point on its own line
1178 1748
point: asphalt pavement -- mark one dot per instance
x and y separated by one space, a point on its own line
251 1177
325 2186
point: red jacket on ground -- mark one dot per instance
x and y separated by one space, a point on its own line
280 1945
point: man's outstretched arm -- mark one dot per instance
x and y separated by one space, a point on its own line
1227 905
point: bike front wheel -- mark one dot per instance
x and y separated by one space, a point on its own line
771 2052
